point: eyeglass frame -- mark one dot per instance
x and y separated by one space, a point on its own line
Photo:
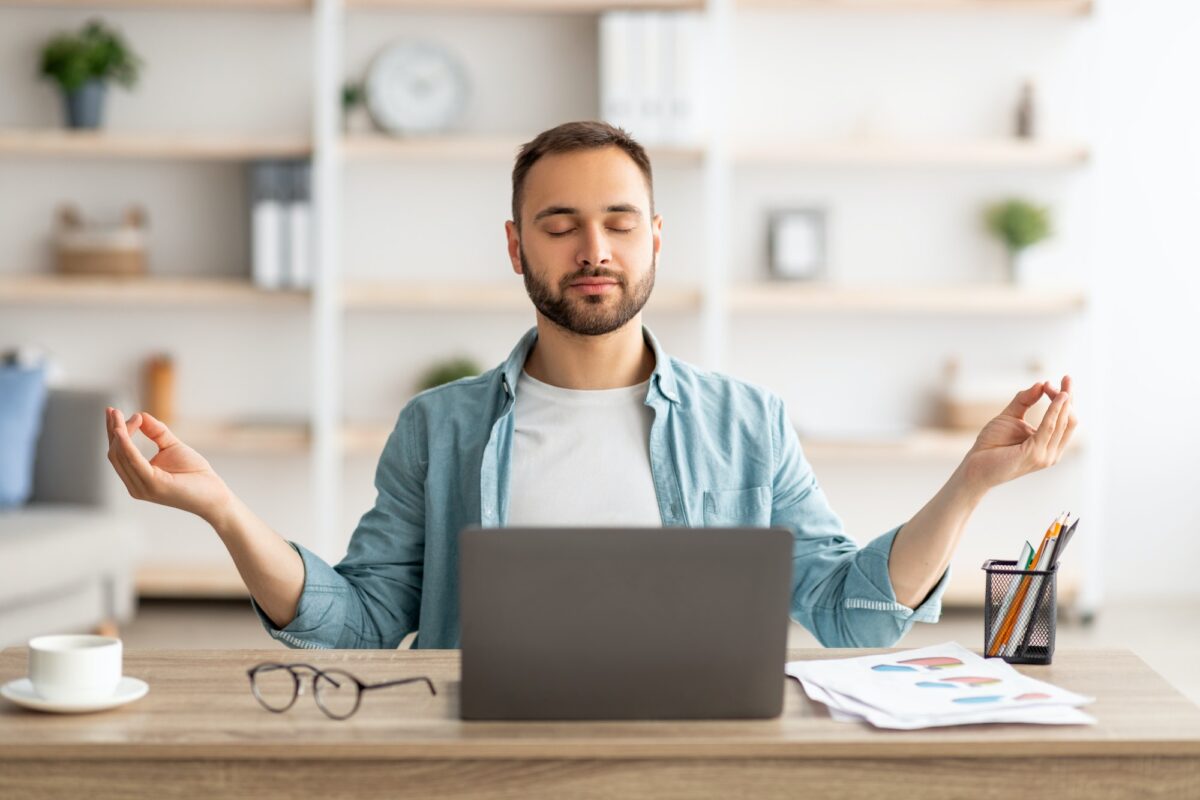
298 686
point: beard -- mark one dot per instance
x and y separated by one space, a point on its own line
589 314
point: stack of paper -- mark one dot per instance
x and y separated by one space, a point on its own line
944 684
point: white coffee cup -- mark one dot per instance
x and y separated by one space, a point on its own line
74 669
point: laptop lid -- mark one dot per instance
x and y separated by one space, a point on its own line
623 623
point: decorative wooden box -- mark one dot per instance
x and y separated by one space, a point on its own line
92 249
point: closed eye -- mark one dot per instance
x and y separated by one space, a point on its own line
564 233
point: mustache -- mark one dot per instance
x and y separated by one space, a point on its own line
595 272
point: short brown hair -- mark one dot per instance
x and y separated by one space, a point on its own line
571 136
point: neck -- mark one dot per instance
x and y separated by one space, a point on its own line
572 361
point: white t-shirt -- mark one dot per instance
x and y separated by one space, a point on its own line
581 457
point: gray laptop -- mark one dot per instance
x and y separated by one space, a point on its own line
623 623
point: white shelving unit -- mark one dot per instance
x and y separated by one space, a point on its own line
328 437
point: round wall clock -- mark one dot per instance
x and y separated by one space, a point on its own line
416 87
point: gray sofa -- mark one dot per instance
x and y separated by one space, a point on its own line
67 558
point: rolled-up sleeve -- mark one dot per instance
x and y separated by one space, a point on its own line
372 597
842 593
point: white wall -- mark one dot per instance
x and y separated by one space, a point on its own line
1147 133
1122 80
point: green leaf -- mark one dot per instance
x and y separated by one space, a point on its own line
449 370
1018 223
97 52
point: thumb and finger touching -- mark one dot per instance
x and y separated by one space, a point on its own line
157 432
1024 400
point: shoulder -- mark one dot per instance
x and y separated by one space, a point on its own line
704 390
464 400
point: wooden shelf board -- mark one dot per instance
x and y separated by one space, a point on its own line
368 439
255 438
192 581
1050 7
61 143
198 5
76 290
919 443
474 148
547 6
363 438
917 153
932 300
448 296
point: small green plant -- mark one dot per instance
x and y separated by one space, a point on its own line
96 52
352 96
449 370
1018 224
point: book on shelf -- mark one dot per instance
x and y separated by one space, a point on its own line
281 224
651 75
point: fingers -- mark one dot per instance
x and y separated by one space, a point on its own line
1054 422
131 465
1066 427
1023 400
157 432
122 469
1065 384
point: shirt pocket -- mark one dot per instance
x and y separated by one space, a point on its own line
727 507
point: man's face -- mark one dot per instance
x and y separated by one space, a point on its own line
588 248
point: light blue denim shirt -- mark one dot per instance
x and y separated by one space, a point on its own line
722 453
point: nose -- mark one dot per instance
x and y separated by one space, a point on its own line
594 248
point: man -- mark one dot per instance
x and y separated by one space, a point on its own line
588 422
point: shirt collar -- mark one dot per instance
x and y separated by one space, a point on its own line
663 376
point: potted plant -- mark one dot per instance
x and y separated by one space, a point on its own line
82 64
354 109
450 369
1019 225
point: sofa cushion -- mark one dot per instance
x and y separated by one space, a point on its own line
42 548
22 401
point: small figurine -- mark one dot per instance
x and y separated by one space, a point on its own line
1026 113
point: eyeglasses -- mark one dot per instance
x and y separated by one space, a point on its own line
337 692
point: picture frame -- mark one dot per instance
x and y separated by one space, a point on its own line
797 243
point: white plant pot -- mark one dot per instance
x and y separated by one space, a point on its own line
1030 267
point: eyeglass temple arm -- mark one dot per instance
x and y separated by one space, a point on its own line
427 682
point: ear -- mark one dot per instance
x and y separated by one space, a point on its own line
514 245
656 232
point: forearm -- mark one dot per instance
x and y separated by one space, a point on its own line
271 569
922 549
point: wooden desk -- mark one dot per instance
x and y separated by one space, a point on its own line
200 733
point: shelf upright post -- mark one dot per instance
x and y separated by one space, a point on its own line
326 297
714 309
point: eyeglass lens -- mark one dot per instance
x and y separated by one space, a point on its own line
276 687
337 693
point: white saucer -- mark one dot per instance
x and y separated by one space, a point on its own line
21 692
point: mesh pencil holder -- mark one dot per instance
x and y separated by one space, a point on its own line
1020 609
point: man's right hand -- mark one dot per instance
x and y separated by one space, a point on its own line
177 476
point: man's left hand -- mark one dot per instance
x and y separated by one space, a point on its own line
1009 447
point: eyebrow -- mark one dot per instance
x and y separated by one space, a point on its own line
619 208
